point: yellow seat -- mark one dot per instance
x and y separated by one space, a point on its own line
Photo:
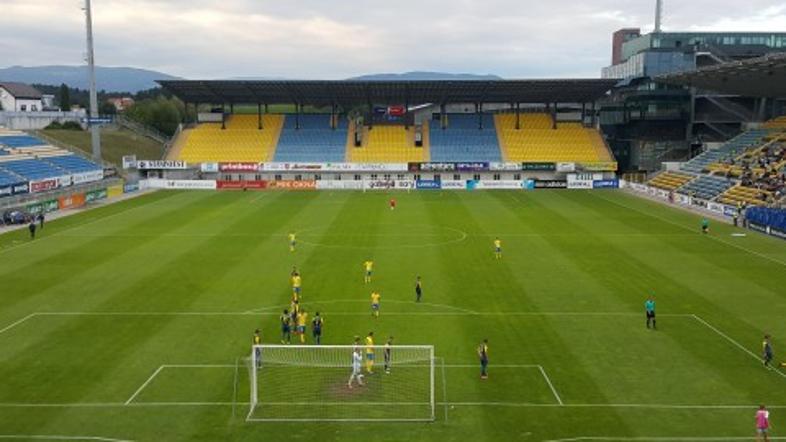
537 140
670 180
241 140
389 144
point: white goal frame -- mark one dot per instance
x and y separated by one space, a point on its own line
254 373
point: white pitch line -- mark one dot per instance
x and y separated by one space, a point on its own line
139 390
714 238
344 313
657 438
10 326
457 404
551 386
79 226
733 342
58 437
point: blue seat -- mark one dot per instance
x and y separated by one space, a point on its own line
33 169
314 141
73 163
20 141
462 140
732 148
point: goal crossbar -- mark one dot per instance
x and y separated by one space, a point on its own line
342 383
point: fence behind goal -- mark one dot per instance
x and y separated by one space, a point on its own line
310 383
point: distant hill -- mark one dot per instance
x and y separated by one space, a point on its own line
110 79
420 76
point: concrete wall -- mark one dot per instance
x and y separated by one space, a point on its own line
38 120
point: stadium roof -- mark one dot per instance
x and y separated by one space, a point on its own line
348 93
754 77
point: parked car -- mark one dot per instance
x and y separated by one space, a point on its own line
15 217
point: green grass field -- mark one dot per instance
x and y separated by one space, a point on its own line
102 300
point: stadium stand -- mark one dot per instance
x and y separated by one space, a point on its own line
19 140
240 141
670 180
706 187
8 178
537 140
390 144
72 163
748 195
462 140
731 149
32 169
776 123
314 141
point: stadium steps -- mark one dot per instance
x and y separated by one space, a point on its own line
706 187
670 180
314 141
538 141
462 140
389 144
742 194
241 141
731 149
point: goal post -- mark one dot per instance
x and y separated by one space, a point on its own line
316 383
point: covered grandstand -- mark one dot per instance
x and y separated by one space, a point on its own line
530 120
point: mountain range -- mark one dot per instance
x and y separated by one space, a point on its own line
133 80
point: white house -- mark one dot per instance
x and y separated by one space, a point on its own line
20 97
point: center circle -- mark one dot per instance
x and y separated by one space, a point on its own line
381 236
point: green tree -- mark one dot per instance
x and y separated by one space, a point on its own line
65 97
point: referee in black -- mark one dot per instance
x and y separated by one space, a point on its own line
418 289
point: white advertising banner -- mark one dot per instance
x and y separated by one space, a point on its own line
87 177
65 181
129 161
334 167
639 187
566 167
715 207
339 185
501 184
581 180
505 167
181 184
405 184
160 164
683 199
454 185
209 167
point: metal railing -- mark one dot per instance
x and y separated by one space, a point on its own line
27 198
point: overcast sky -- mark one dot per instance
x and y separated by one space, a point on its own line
335 39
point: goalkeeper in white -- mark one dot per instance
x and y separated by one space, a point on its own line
357 361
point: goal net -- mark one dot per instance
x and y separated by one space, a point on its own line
312 383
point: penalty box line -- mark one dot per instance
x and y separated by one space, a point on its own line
540 369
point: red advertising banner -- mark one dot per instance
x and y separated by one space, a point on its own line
238 167
239 185
292 185
43 185
72 201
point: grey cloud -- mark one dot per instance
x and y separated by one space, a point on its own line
339 38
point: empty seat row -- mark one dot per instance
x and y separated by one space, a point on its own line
706 187
310 138
462 139
670 180
731 149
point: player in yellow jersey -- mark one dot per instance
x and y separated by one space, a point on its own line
370 353
292 242
302 320
369 266
296 284
497 248
375 304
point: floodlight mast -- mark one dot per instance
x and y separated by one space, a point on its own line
658 14
95 134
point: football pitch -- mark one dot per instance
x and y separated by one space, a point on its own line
131 321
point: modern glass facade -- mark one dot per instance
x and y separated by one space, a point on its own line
675 40
651 64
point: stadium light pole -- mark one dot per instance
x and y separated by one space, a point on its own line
658 14
95 129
